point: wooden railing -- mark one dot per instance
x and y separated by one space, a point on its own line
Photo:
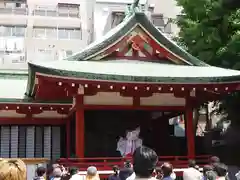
106 163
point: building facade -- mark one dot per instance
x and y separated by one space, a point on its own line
41 30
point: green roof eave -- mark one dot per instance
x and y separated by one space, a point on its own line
123 28
143 73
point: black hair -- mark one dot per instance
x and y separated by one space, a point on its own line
144 161
220 168
127 164
115 169
192 163
214 159
73 170
158 169
167 169
207 168
41 171
211 175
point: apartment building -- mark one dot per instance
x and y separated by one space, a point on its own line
40 30
48 30
109 13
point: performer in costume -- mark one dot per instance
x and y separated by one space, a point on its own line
127 145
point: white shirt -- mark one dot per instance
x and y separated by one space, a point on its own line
238 175
132 177
192 174
78 177
151 178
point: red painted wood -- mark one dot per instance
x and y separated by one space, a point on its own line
32 121
79 126
130 107
190 130
136 101
153 86
106 163
29 110
23 108
124 50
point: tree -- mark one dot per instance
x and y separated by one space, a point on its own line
210 30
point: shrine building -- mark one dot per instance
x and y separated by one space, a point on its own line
79 106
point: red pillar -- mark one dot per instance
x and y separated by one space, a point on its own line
190 131
79 127
68 140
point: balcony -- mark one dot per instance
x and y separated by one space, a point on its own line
14 11
16 16
55 13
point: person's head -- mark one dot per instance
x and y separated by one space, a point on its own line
127 164
207 168
211 175
144 161
167 169
221 169
115 170
55 165
197 167
41 171
13 170
192 163
57 172
92 173
214 159
158 170
73 170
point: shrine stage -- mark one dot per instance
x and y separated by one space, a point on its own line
103 128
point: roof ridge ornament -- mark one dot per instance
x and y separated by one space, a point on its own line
132 9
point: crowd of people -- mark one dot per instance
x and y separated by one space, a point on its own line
144 167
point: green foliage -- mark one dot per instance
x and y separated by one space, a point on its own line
210 32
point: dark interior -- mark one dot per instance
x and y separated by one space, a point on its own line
103 129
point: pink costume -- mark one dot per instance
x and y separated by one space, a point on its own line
126 146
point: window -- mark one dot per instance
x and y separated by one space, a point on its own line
75 34
18 31
39 33
158 20
14 8
10 5
63 34
45 11
12 50
5 31
54 33
68 10
39 12
13 31
117 18
45 32
66 33
51 33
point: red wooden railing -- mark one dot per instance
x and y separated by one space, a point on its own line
106 163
